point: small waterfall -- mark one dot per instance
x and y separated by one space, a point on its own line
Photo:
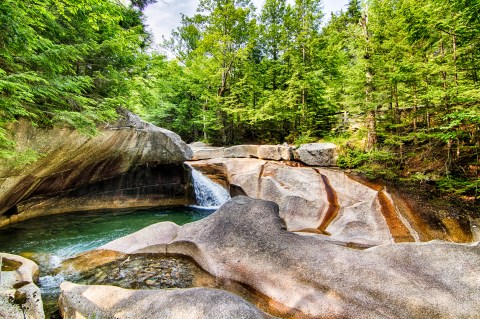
208 194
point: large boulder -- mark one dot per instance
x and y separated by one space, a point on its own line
19 296
306 276
207 152
128 164
105 302
317 154
330 202
241 151
275 152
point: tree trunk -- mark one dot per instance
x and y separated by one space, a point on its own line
454 40
204 109
414 121
444 75
371 116
372 131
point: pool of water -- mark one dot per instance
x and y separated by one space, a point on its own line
52 239
66 235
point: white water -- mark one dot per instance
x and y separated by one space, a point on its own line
209 195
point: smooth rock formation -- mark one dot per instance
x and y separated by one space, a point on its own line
246 241
19 296
105 302
315 200
207 152
129 164
317 154
330 202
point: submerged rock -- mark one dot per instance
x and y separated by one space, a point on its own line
129 164
246 241
77 301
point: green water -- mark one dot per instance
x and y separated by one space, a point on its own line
63 236
50 240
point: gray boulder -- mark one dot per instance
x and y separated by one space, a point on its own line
105 302
275 152
207 152
241 151
317 154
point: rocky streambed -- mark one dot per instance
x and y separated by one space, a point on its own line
246 246
307 242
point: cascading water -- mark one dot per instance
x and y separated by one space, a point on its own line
208 194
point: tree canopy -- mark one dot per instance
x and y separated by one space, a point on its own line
396 82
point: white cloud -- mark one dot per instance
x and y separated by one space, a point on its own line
164 16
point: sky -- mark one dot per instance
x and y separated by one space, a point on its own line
164 16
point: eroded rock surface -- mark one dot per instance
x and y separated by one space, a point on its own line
313 200
304 276
267 152
241 151
330 202
275 152
19 296
77 301
129 164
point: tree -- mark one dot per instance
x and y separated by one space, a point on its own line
65 63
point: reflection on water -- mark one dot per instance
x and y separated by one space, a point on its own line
50 240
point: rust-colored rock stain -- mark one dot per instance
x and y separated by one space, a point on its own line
333 206
430 226
398 230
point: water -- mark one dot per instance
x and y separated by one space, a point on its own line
50 240
59 237
208 194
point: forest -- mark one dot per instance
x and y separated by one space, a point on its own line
394 83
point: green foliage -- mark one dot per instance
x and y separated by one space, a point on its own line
352 158
251 78
66 63
460 186
395 82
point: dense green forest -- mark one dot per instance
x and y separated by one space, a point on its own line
394 82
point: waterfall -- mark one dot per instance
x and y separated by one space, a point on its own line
208 194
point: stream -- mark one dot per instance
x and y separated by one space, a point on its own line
50 240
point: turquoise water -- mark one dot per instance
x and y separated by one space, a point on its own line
59 237
52 239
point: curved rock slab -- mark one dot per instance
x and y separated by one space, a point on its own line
105 302
330 202
246 241
129 164
19 296
314 200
